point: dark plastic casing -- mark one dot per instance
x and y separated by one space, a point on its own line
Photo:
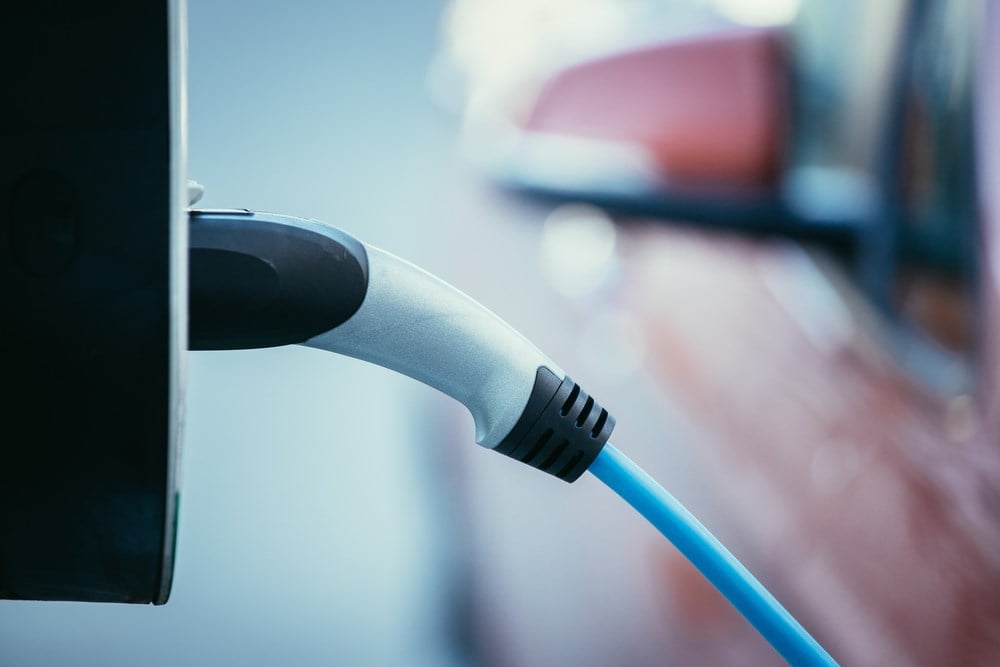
93 252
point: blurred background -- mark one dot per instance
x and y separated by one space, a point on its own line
763 232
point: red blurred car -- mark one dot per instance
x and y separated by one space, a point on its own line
807 236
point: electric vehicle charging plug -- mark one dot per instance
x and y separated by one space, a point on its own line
260 280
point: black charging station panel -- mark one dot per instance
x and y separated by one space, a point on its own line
92 270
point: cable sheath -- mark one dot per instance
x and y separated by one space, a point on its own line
711 558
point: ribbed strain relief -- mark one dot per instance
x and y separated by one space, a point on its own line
561 430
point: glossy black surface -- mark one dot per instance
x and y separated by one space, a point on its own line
263 281
86 275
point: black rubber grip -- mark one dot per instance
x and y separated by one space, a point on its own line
260 281
561 430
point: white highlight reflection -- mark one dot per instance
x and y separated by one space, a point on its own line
578 249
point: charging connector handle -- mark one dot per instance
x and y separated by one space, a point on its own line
420 326
261 279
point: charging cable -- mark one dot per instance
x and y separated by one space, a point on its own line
711 558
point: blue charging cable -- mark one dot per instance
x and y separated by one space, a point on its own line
712 559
